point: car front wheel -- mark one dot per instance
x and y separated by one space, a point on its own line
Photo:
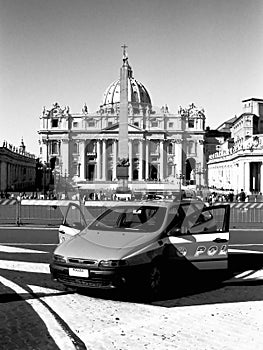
154 280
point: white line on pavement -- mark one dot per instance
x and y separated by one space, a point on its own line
244 251
9 249
28 228
246 245
24 266
249 275
55 330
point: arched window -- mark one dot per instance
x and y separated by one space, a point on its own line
75 147
54 147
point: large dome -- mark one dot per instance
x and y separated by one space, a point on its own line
138 96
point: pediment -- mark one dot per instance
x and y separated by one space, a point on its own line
115 128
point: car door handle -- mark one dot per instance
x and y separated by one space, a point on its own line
220 240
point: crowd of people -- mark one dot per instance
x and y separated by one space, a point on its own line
111 195
231 197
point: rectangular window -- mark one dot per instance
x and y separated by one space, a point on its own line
135 148
191 148
154 148
54 123
154 124
191 123
75 168
91 124
75 124
171 125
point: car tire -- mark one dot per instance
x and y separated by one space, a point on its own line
154 280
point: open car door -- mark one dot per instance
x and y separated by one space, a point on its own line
203 237
74 221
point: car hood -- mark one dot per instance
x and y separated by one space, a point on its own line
104 244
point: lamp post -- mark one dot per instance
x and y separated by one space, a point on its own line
180 177
44 179
199 172
66 190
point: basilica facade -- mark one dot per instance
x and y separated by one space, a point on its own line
163 147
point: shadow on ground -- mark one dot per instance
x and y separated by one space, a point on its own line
199 288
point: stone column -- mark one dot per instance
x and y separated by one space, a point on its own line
178 158
261 177
114 159
130 160
146 159
65 157
104 160
161 160
246 183
82 156
98 173
140 159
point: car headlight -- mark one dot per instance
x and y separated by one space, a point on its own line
112 263
59 258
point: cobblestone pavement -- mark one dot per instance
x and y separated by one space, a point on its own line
20 326
108 324
37 313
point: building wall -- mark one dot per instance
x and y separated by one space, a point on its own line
17 169
240 166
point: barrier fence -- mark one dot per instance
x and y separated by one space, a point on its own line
51 213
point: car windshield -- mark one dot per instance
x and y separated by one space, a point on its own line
132 218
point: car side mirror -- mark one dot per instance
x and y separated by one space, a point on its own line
78 226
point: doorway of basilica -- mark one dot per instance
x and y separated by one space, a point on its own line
90 172
190 171
255 175
153 172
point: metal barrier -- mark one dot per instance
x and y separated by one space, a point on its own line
30 214
52 212
8 214
246 213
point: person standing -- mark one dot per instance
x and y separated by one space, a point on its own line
242 196
231 196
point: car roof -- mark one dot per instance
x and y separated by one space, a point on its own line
159 202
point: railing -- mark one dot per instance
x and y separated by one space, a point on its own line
51 213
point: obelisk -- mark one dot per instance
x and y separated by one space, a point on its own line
123 118
123 148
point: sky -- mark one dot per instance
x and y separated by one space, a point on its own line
207 52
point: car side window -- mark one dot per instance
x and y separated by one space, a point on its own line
74 218
175 219
201 221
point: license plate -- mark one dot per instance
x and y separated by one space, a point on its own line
73 271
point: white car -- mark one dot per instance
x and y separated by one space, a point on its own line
138 243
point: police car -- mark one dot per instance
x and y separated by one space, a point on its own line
140 243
